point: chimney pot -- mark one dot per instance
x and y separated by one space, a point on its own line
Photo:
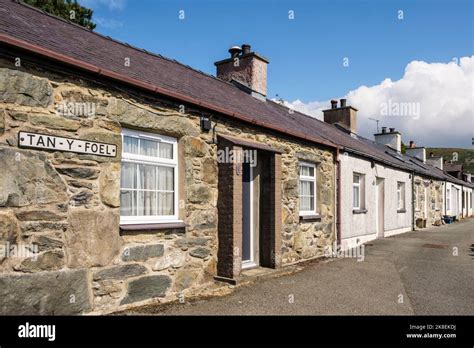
392 130
412 144
333 104
234 51
343 103
384 129
245 48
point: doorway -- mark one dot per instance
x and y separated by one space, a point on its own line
380 207
250 215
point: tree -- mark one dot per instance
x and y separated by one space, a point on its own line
67 9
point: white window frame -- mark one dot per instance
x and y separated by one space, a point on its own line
310 179
357 185
400 195
141 159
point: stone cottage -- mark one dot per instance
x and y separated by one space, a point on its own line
127 176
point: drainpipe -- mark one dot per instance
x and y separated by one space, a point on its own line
413 201
338 198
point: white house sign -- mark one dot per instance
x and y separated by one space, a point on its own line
50 142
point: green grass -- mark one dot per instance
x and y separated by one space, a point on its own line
465 156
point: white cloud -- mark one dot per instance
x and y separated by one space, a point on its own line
433 104
108 23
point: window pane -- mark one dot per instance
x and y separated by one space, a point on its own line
166 150
165 178
306 189
147 177
128 203
356 179
128 175
148 147
130 145
306 170
165 203
355 197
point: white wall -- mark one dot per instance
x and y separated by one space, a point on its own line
359 228
467 211
457 197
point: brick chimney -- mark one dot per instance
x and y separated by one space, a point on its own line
416 151
392 138
343 115
246 69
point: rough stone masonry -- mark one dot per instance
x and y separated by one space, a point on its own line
68 204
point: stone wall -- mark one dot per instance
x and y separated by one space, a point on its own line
434 200
65 206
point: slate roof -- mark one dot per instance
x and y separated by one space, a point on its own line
34 30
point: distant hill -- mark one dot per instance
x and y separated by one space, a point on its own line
465 156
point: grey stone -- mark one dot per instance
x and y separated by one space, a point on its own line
162 264
41 226
19 116
2 121
28 178
198 193
39 215
200 252
47 261
92 238
9 227
54 122
44 243
110 185
81 198
46 293
165 122
80 172
146 288
18 87
120 272
190 242
142 252
80 184
185 278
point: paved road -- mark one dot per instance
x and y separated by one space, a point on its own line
412 273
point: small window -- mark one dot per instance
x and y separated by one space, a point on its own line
307 188
357 180
149 178
400 195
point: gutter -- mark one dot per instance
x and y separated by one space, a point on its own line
151 88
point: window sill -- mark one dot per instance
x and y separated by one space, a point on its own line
310 217
152 226
359 211
401 211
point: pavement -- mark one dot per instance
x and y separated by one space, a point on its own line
426 272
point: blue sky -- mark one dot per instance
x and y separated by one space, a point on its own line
306 53
391 60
